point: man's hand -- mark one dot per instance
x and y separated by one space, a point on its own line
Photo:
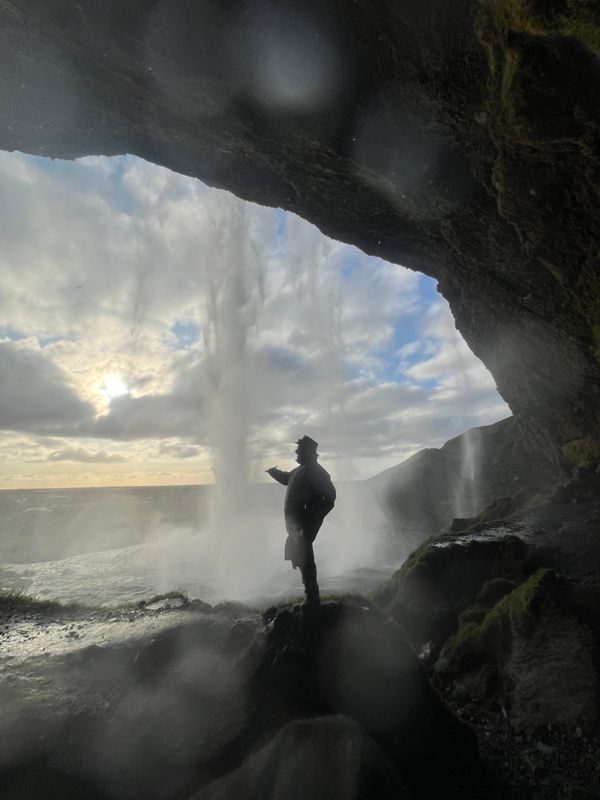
278 475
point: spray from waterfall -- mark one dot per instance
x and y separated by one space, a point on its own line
317 285
234 297
467 487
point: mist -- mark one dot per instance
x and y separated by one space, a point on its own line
192 339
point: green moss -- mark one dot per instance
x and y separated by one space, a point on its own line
517 15
388 594
472 615
347 599
495 23
501 509
474 644
419 556
513 15
466 647
583 27
493 590
512 63
582 451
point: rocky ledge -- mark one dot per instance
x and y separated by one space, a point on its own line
504 617
207 705
473 672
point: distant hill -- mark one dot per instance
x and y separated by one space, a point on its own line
422 495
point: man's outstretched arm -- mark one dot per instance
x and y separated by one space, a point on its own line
279 475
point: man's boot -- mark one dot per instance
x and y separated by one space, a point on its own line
312 600
311 587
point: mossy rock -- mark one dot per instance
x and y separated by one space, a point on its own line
473 614
582 451
386 595
489 641
576 20
495 589
443 577
503 508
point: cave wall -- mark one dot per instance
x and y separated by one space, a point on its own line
459 139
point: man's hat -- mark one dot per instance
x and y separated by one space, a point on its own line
306 443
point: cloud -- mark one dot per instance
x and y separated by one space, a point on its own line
35 394
86 456
179 450
216 315
146 417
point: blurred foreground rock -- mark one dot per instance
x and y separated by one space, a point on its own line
318 758
326 703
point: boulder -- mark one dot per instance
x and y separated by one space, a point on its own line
350 660
505 617
318 758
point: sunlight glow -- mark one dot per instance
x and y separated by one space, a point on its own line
113 386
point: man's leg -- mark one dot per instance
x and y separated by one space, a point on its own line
308 568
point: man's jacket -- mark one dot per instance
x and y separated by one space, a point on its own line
310 496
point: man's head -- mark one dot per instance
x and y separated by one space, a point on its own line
306 450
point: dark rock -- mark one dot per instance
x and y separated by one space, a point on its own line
269 615
583 486
524 638
444 576
351 661
200 605
240 636
319 758
284 624
230 608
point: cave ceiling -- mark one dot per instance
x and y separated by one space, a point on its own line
459 139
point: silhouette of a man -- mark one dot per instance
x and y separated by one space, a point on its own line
310 496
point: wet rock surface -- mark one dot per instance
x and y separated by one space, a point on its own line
121 709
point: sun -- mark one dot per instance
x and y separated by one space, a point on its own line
113 386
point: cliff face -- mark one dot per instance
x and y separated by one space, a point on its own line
488 469
457 139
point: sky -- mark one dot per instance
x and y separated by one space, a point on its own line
155 331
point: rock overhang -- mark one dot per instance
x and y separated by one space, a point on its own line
461 142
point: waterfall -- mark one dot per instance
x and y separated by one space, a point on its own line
466 501
234 294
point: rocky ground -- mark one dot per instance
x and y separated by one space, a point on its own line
488 687
553 763
504 616
175 699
